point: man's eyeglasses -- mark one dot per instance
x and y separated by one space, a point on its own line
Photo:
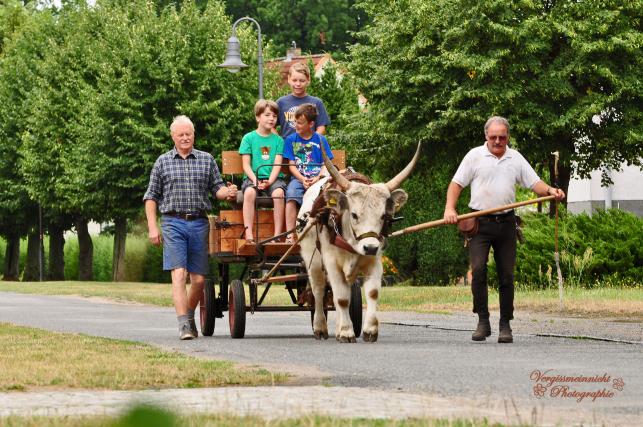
501 138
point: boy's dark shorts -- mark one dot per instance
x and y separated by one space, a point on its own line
279 183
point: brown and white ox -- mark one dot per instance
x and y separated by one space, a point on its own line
362 212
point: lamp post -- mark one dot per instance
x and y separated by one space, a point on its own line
233 62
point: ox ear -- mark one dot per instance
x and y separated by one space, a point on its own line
336 200
396 201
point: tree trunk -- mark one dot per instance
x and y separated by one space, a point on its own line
118 257
85 251
56 253
32 267
564 175
12 259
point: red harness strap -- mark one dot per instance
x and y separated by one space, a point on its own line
342 244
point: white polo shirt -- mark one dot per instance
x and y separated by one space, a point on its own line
493 181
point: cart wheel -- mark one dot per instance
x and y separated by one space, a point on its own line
355 309
207 308
237 309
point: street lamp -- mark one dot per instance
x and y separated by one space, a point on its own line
233 62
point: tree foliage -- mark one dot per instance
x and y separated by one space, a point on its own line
337 91
313 25
565 73
435 71
91 91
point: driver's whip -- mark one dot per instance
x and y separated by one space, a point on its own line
556 254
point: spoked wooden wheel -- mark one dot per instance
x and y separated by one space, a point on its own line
207 308
237 309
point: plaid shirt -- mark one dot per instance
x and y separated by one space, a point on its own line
182 185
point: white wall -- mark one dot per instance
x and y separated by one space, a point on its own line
585 195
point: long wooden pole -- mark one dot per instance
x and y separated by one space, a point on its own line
267 276
439 222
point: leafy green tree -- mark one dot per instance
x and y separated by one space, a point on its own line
111 83
340 97
435 71
55 107
313 25
19 72
12 15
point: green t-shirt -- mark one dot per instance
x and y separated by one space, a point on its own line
262 150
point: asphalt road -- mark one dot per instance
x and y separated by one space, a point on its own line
427 354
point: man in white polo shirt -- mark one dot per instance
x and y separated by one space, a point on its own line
493 170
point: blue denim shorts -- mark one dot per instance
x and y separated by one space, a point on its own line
185 244
295 191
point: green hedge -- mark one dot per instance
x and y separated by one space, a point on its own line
606 248
434 256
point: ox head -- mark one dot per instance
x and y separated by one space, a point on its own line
365 209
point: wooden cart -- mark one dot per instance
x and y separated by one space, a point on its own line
227 246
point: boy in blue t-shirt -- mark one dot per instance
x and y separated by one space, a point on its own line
303 151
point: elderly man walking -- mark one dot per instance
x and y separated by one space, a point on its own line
493 170
180 184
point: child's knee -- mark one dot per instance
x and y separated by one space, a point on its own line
249 195
278 193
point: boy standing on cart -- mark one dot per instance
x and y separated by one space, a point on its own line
180 183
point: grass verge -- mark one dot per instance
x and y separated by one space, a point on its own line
34 359
591 302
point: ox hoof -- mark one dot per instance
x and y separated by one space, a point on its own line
346 339
370 337
321 334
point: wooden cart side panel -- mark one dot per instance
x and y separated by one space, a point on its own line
214 245
236 216
225 239
242 248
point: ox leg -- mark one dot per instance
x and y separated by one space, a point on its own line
372 288
318 285
342 297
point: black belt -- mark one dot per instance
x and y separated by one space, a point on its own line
188 216
504 217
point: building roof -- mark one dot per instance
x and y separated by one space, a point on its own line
284 63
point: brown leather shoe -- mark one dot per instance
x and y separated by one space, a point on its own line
482 331
505 336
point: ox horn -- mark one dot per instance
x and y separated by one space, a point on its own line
400 177
332 170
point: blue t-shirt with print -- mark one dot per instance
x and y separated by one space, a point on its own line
306 153
287 106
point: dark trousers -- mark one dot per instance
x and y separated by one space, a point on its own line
498 233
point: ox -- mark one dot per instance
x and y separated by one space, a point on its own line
360 214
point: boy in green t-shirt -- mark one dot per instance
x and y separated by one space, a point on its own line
258 148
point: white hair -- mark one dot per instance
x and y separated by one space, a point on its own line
496 119
181 120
